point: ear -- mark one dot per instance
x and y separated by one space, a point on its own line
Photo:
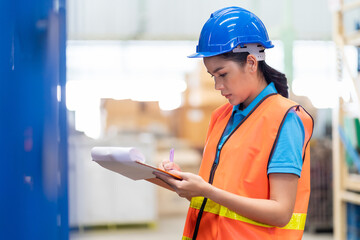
251 63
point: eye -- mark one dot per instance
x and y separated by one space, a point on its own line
222 75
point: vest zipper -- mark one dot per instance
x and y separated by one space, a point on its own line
215 165
211 179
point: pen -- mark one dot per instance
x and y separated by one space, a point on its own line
172 155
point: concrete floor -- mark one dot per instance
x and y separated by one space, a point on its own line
167 229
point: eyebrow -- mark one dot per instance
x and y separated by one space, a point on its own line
216 70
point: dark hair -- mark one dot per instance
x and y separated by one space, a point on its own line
270 74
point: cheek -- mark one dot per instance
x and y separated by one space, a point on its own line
242 83
238 86
241 91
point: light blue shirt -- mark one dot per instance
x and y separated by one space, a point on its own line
287 156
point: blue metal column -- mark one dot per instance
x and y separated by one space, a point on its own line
33 129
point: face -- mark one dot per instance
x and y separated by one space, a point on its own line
238 84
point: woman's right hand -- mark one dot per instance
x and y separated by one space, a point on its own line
166 165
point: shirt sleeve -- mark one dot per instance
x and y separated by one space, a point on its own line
287 156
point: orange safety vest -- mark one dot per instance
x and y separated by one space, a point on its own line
242 170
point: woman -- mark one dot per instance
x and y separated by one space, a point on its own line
254 179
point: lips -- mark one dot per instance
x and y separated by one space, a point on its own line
226 95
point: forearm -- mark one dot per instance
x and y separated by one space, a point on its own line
265 211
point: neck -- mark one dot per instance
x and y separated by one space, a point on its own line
261 84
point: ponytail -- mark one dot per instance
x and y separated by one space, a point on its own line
270 74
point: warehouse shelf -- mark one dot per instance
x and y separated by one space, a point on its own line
346 191
350 197
352 182
353 39
349 6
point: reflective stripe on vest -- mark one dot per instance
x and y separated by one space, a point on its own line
185 238
297 221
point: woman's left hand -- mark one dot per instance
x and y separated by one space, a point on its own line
191 185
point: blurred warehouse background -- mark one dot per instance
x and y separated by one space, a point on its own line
82 73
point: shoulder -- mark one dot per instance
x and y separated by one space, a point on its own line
290 106
281 101
297 113
293 125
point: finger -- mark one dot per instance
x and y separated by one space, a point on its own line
164 177
160 175
183 175
164 163
160 166
169 166
168 180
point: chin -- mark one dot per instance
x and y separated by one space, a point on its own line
232 102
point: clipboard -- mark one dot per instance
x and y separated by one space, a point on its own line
129 162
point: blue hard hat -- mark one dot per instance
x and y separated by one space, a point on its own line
228 28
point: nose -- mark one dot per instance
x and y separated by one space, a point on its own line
218 85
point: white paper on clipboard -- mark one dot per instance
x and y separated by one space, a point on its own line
129 162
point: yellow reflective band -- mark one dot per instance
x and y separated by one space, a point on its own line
297 221
186 238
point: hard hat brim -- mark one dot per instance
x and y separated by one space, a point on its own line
204 54
211 54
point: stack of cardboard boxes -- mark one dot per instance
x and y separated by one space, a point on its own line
184 129
133 116
189 122
201 99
